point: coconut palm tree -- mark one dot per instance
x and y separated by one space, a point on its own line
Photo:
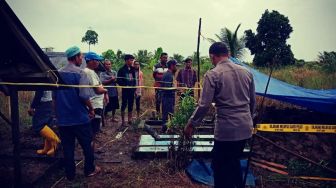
144 57
236 45
178 57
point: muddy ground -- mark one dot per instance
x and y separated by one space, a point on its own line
120 170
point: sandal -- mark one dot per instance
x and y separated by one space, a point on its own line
95 172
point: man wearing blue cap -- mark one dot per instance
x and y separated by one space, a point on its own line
168 95
98 92
73 112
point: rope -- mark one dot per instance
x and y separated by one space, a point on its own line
57 79
91 86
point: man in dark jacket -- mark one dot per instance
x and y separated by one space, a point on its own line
126 77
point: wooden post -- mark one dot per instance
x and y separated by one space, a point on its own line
14 104
198 57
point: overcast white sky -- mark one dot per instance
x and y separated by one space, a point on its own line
130 25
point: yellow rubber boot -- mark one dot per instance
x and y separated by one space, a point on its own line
45 149
52 138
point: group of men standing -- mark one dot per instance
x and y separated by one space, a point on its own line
128 77
78 110
164 73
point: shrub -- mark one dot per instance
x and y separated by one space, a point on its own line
327 60
179 156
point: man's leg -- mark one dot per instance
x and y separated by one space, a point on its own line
137 104
158 100
95 123
238 175
123 106
84 137
113 116
114 106
130 106
68 142
164 110
226 163
108 107
172 104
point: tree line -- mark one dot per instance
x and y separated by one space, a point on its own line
268 45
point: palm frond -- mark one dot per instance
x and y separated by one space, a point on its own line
210 40
235 45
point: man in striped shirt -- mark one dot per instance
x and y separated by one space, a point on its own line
158 70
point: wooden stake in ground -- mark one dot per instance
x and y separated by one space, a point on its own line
198 56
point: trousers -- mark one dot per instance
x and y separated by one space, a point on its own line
226 163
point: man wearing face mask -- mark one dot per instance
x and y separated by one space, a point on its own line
231 88
168 95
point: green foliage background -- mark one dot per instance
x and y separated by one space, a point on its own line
269 44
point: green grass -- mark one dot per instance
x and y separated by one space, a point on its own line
304 77
24 103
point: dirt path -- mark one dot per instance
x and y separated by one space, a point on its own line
118 168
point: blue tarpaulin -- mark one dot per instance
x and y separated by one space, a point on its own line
201 172
317 100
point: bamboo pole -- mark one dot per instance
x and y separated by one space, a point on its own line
198 56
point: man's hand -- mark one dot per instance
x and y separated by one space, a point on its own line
91 114
100 90
106 99
188 130
31 111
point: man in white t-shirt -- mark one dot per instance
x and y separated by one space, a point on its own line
99 93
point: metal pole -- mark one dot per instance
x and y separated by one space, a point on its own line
198 56
15 135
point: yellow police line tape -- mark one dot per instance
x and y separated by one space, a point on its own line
91 86
298 128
